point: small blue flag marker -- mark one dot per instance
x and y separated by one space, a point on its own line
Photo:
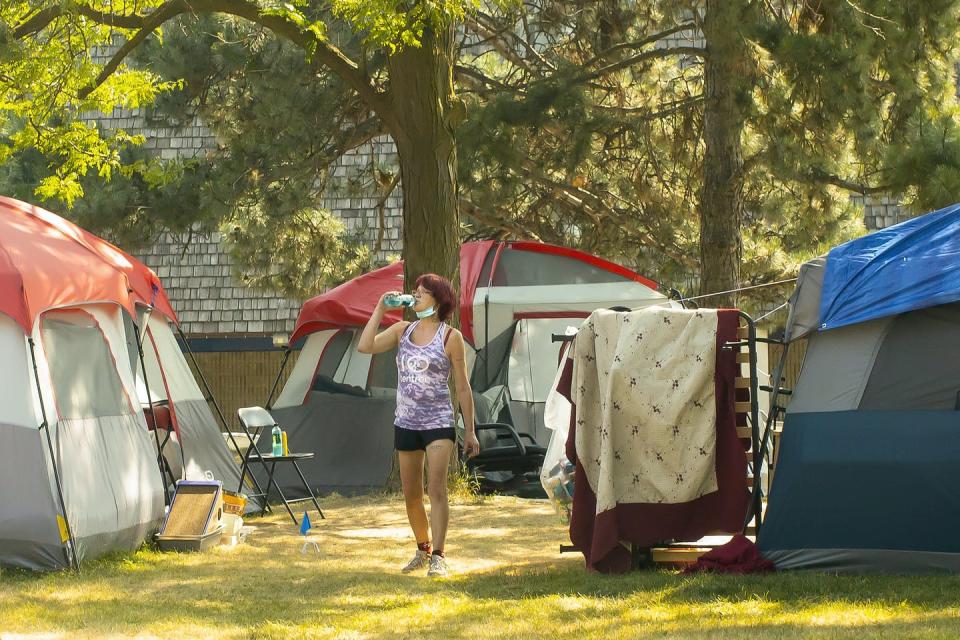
305 527
305 524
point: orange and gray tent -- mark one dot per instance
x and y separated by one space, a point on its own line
78 466
339 403
867 472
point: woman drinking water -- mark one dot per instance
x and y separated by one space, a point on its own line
428 350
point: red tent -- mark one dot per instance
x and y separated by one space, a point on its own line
47 261
352 303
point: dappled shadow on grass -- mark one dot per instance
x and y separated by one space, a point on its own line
509 581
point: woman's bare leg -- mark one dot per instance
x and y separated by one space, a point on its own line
411 479
438 461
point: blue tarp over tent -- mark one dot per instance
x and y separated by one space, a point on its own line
911 265
866 471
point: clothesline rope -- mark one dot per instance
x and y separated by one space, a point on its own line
723 293
770 313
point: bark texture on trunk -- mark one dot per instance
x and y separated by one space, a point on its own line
422 117
424 113
728 71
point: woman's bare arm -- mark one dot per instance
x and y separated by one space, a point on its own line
372 342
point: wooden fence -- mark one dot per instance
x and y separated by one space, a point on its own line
242 379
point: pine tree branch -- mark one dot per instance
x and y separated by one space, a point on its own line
313 45
485 22
500 219
645 114
493 39
584 201
653 54
481 80
820 175
639 44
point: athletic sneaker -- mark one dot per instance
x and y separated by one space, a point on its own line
438 566
419 561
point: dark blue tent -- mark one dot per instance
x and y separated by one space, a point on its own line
868 473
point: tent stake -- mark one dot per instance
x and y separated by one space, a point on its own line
72 558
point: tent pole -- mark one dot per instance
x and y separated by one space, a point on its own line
223 421
775 390
209 394
486 339
73 558
486 317
183 458
156 427
276 383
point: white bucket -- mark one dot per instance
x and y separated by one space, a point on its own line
231 524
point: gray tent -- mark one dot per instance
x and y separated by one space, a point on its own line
866 477
87 482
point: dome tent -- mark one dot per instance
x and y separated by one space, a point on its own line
77 462
866 472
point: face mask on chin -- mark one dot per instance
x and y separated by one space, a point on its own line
426 313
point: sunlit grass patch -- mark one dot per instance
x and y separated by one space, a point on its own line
508 581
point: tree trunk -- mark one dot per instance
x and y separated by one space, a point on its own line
728 72
423 115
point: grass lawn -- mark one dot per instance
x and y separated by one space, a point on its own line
508 581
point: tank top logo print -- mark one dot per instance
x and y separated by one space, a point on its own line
415 367
423 398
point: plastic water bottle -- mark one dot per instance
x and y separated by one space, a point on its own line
400 300
277 440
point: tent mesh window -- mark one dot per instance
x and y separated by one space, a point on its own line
332 355
85 380
517 268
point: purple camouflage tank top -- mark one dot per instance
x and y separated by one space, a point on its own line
423 398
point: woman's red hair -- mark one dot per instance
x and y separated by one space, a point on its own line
441 290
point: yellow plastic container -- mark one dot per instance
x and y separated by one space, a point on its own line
283 437
234 503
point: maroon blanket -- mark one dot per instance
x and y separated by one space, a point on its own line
599 536
740 555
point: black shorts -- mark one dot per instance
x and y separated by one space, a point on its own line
418 439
